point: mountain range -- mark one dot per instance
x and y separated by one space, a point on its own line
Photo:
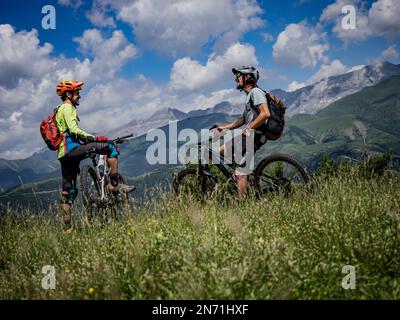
309 99
363 123
300 103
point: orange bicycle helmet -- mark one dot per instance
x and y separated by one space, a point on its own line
68 85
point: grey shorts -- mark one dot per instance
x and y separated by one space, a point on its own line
243 151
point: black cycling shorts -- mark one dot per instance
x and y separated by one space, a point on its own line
70 161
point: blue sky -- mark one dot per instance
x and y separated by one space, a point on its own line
139 56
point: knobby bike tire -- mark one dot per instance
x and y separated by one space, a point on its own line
88 176
179 178
279 157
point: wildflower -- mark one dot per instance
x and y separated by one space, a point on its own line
91 290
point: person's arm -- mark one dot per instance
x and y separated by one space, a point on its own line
71 121
233 125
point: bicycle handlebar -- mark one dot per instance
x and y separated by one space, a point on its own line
213 127
122 139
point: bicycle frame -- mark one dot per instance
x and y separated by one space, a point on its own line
221 165
99 163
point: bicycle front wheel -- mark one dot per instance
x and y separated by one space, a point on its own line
188 183
90 188
279 174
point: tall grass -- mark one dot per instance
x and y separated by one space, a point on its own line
283 248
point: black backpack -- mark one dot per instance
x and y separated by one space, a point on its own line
273 128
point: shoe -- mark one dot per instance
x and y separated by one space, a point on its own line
122 187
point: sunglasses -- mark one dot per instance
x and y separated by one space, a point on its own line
237 74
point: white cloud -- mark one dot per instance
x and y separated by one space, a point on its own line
188 74
333 14
100 19
333 11
390 53
267 37
109 54
327 70
300 45
184 26
21 56
294 85
30 74
70 3
384 17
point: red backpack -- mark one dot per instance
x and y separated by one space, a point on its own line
50 132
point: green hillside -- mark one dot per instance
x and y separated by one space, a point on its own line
367 120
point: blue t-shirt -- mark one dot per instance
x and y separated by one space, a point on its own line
256 96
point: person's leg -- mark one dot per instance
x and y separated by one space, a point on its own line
112 161
245 166
69 169
241 181
113 165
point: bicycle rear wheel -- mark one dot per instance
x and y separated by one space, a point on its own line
187 182
279 173
91 193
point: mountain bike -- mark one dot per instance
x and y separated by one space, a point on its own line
98 200
276 173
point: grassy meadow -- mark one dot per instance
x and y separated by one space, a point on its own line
282 248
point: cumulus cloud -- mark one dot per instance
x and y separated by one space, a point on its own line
327 70
100 19
300 45
21 56
390 53
294 85
108 54
184 26
382 19
29 76
333 14
188 74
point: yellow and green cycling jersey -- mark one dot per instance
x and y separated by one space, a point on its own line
67 121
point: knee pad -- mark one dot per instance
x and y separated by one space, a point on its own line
69 196
114 178
67 184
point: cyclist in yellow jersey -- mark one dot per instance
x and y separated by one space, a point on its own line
76 145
